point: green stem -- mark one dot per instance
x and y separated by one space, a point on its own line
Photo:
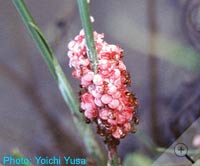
83 5
113 159
65 88
88 29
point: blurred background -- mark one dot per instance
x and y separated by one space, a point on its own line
161 42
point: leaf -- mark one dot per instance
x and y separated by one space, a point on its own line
137 159
17 155
88 137
197 163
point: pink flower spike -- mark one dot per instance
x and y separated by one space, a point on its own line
104 98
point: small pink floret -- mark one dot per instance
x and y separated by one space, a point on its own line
106 99
97 80
114 103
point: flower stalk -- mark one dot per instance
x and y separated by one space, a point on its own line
113 159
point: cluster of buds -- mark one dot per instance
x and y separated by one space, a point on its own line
104 96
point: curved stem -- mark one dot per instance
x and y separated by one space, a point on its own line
65 88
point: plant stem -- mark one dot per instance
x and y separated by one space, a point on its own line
88 29
113 159
153 71
65 88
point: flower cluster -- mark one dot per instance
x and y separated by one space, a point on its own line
104 97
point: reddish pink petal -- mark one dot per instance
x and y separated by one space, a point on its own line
104 96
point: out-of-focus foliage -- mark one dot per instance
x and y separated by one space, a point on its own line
197 163
65 88
17 154
137 159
